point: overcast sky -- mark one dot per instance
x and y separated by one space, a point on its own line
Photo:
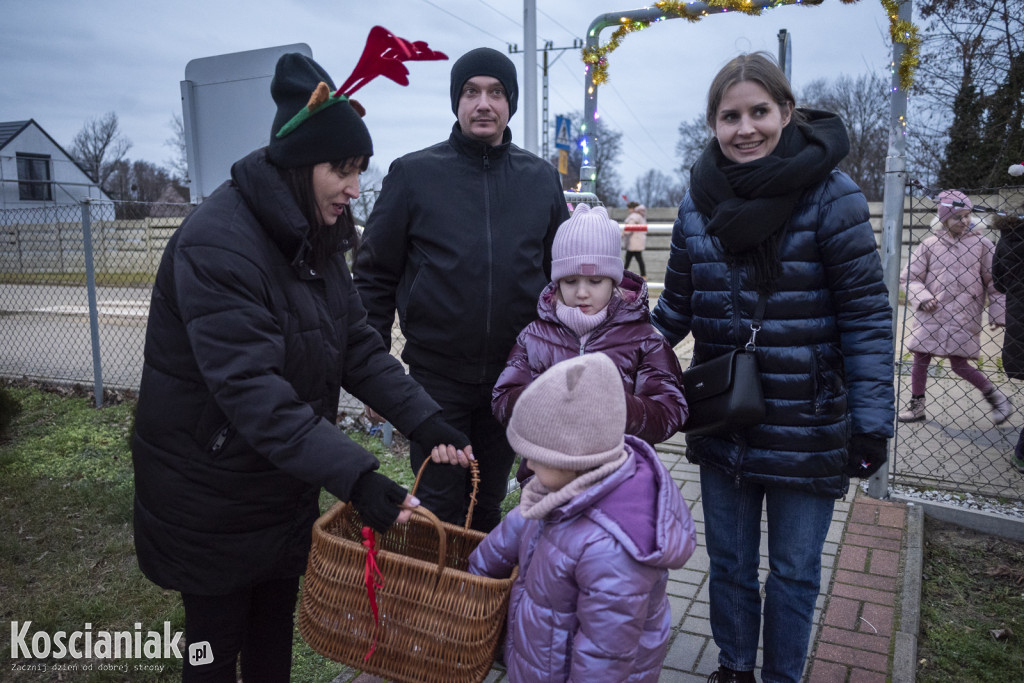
66 61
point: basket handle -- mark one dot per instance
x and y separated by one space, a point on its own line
474 478
442 545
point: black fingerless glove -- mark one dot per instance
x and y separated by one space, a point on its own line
434 431
866 455
377 499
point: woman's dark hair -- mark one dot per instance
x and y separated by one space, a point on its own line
757 67
324 240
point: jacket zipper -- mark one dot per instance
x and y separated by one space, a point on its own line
490 260
218 443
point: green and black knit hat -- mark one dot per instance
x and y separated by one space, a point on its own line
314 125
331 129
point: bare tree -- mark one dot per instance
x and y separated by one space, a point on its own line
609 146
970 89
137 181
655 188
863 105
178 163
369 189
99 146
694 136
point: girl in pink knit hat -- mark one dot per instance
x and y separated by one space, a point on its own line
947 281
593 305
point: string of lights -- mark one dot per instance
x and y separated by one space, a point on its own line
596 57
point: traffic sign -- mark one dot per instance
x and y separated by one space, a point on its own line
562 139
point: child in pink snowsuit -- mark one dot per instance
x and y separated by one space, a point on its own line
947 281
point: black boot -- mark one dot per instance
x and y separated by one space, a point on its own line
727 675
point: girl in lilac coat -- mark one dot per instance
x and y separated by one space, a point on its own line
593 305
947 281
595 533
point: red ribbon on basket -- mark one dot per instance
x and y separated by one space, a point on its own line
374 579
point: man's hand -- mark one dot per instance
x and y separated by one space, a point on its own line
450 455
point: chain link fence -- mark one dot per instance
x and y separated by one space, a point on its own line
75 283
954 444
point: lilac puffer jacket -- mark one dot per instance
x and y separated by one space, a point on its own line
650 370
590 601
957 272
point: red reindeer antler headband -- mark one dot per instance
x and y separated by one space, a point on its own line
382 56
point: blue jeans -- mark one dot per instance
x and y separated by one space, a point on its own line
797 525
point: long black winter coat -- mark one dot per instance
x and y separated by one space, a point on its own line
247 349
1008 275
825 349
459 242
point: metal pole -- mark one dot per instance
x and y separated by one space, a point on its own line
892 212
786 54
545 123
530 76
588 172
94 321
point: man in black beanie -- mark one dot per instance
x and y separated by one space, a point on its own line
459 243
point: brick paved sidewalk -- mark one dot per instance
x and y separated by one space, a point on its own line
865 610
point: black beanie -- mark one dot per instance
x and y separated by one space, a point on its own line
483 61
333 133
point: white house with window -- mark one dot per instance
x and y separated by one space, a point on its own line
36 173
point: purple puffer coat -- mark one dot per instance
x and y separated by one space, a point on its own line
957 272
590 603
650 370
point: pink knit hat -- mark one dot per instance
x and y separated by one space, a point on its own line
951 201
587 244
573 416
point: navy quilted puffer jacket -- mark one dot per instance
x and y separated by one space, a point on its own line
825 349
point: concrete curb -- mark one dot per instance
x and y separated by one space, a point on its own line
978 520
904 658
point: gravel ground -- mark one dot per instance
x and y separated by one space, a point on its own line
964 500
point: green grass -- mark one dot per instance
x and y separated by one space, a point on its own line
972 607
67 554
103 279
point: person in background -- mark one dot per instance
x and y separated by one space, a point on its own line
592 305
459 243
254 328
948 280
595 533
768 213
1008 278
634 236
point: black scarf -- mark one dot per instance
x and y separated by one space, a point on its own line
750 204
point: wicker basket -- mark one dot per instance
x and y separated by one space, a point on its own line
437 622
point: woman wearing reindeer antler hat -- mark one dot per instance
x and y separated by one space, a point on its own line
254 329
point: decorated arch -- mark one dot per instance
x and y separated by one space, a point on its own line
903 33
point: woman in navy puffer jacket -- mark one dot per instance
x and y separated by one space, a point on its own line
767 211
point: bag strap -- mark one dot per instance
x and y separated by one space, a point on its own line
755 323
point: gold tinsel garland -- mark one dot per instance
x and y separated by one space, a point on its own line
900 31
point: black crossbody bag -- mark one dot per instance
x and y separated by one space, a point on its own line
724 394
